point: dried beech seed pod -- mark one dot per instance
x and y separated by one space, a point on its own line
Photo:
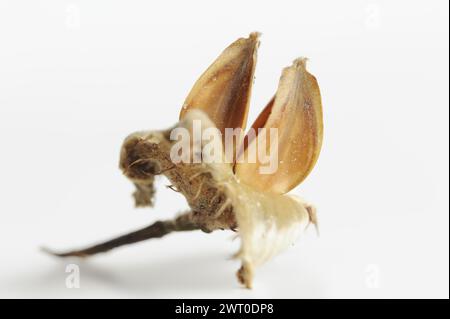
236 197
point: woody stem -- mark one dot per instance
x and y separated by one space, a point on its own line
155 230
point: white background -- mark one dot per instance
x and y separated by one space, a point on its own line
77 76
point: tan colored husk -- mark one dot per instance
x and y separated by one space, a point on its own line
296 112
223 91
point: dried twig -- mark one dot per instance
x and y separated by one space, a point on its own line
155 230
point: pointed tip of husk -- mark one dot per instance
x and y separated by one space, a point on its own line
255 35
300 62
252 41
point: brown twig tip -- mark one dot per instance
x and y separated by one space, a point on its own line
62 255
46 250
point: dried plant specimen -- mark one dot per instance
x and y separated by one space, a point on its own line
232 195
